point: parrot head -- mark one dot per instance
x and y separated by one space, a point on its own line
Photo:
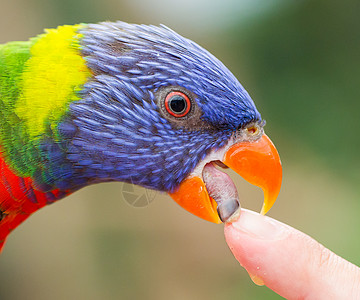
161 112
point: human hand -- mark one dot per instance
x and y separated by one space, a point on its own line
288 261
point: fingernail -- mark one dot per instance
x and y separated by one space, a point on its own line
259 226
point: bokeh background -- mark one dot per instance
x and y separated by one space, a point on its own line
300 62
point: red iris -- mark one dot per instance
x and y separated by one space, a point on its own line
177 104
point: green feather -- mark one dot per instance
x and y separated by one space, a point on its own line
13 138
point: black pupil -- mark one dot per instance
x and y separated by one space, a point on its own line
177 104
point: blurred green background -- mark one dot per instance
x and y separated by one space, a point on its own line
300 62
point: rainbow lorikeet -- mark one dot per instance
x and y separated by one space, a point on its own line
92 103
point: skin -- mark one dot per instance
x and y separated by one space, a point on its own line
288 261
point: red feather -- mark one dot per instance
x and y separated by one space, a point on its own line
18 199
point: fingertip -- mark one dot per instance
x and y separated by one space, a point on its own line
252 239
287 260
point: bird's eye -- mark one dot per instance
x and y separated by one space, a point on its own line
177 104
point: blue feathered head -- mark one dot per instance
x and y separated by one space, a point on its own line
156 109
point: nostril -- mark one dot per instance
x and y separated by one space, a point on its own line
253 130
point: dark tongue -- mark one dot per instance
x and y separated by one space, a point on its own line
222 189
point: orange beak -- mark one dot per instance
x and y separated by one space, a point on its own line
257 162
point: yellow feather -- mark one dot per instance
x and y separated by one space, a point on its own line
52 76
